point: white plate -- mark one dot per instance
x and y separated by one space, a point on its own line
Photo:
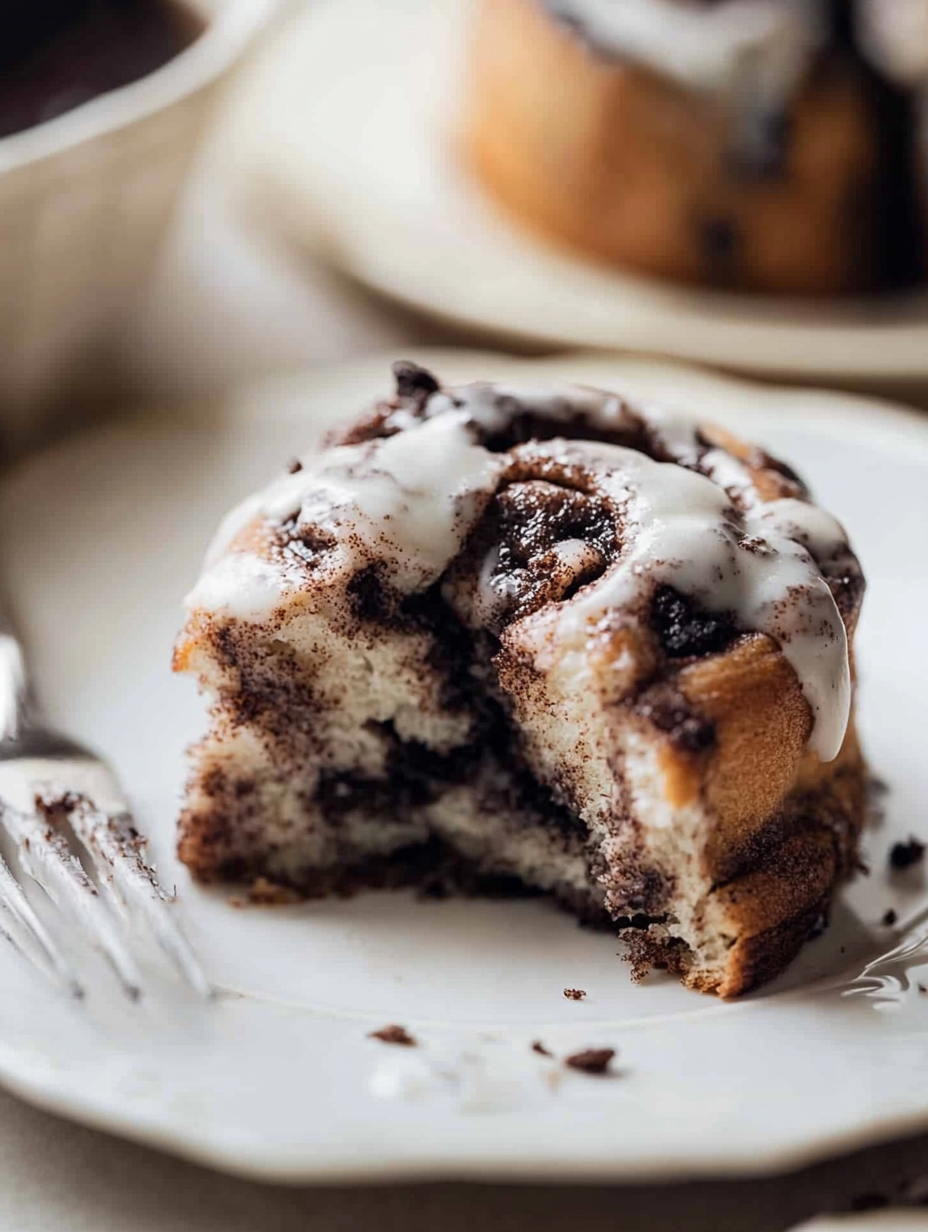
100 537
872 1221
345 134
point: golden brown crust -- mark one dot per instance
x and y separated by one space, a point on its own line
773 910
762 723
634 168
768 913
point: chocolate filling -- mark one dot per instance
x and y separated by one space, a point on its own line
670 713
525 426
528 523
416 774
372 597
684 629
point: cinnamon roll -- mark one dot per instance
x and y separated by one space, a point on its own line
766 145
537 640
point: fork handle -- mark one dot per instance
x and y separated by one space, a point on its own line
15 703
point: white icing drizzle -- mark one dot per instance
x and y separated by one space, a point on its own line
758 565
705 47
243 585
408 501
678 434
492 407
411 498
894 34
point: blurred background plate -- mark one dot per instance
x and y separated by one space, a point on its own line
871 1221
102 535
344 137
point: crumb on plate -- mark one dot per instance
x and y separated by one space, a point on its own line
393 1033
591 1060
905 855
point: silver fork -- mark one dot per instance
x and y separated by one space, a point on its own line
48 783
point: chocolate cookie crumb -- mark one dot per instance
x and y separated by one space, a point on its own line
574 994
394 1034
538 1046
267 893
905 855
921 988
889 918
294 466
591 1060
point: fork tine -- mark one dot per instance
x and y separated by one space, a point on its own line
47 858
117 847
23 920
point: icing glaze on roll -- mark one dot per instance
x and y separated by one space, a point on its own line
759 565
644 500
894 34
702 45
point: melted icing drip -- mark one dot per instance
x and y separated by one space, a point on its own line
705 46
410 498
761 565
581 524
894 34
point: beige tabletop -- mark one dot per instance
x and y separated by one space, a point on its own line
227 306
58 1177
